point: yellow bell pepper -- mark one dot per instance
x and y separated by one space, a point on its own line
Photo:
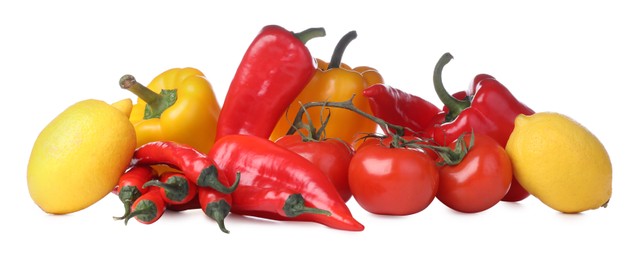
178 105
335 81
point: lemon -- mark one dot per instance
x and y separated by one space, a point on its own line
78 157
560 162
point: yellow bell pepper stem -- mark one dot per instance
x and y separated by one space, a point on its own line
336 57
156 102
178 105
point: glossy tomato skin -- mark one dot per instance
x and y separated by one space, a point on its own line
392 181
478 182
331 156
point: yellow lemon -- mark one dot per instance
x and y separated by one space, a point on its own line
78 157
560 162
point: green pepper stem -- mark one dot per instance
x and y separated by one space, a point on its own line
218 211
295 205
127 204
336 57
209 178
176 188
153 99
454 105
348 105
309 34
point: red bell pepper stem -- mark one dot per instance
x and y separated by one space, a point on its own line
309 34
455 106
336 57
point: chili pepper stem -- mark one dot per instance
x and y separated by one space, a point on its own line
146 210
295 205
336 57
127 204
454 105
218 211
156 102
208 178
309 34
176 190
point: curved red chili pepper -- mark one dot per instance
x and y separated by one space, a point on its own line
195 165
488 108
274 70
265 164
400 108
130 186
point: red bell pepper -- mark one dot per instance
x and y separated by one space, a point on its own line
488 108
274 70
266 165
400 108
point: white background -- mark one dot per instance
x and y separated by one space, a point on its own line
569 57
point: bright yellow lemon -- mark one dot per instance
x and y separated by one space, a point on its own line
78 157
560 162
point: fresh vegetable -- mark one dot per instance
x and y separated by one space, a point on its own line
274 70
195 165
400 108
488 108
331 156
393 180
148 208
178 105
251 200
174 187
560 162
265 164
130 186
335 81
481 178
215 205
78 157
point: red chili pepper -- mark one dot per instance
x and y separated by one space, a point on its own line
215 205
400 108
488 108
250 200
265 164
130 186
175 188
148 208
195 165
192 204
274 70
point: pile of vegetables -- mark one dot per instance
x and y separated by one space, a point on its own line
297 137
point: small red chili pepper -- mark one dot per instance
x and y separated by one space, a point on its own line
274 70
130 186
215 205
488 108
248 200
175 188
195 165
400 108
265 164
148 208
192 204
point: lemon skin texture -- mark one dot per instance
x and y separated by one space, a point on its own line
79 156
560 162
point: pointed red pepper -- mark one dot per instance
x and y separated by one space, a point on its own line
486 108
274 70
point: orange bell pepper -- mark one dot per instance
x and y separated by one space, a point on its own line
335 81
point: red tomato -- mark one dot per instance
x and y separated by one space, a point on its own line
331 156
392 181
478 182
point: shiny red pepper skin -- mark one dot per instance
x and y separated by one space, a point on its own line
274 70
400 108
265 164
488 108
195 165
